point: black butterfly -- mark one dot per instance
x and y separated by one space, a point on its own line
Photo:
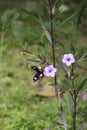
39 73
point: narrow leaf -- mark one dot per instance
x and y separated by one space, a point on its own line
31 61
63 35
8 45
27 53
82 59
15 16
69 18
70 102
24 10
83 56
80 15
47 34
81 86
53 10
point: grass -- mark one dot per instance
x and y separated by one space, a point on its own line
18 98
20 107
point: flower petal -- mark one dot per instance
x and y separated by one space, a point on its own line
50 71
68 59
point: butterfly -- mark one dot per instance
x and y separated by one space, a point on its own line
39 73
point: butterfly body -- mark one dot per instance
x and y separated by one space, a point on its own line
39 73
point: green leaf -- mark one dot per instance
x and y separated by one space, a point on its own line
66 71
70 102
15 16
9 45
63 35
30 61
47 34
26 11
83 56
28 54
69 18
5 17
8 17
17 31
74 65
60 44
53 10
80 15
82 85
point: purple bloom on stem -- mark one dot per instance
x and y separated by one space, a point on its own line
84 97
68 59
50 71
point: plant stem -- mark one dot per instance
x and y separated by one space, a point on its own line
57 90
53 45
75 98
74 114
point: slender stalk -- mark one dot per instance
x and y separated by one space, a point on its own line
57 90
75 100
74 115
53 45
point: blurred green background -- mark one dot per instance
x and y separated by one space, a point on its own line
25 105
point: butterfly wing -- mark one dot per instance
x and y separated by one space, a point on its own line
38 76
39 73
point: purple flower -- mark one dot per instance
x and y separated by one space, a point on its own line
68 59
84 97
50 71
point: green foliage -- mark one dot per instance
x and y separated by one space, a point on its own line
20 107
82 84
8 17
